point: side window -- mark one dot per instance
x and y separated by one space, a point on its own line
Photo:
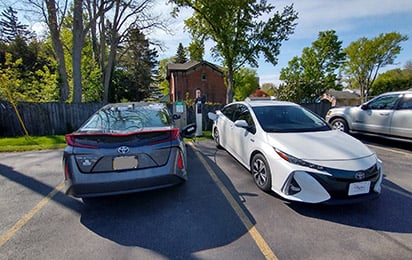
243 113
229 111
406 102
385 102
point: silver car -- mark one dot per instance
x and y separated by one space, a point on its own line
388 114
124 148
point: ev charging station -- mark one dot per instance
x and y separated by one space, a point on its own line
179 108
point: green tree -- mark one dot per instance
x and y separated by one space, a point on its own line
316 71
239 31
138 64
11 28
367 56
270 89
162 81
11 86
245 83
196 50
181 54
392 80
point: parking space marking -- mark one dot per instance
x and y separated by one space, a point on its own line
26 218
253 232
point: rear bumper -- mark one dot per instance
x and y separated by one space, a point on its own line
84 185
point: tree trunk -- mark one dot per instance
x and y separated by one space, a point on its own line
77 51
58 49
229 90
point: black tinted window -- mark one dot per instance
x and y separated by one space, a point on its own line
384 102
229 111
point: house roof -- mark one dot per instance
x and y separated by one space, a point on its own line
191 65
342 94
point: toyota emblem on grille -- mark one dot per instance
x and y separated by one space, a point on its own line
360 176
123 149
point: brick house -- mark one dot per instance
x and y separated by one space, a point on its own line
185 79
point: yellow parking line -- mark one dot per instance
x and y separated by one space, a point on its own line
254 233
26 218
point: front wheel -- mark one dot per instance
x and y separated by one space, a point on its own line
261 172
340 124
216 138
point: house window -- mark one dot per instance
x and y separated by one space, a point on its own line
204 76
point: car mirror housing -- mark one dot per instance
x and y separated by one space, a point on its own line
188 130
364 107
242 124
212 116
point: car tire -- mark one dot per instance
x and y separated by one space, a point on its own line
216 138
340 124
261 172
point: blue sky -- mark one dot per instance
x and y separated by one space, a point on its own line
351 19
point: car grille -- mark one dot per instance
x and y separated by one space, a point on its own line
338 184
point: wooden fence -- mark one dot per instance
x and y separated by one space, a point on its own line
62 118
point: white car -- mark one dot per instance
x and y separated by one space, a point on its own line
296 154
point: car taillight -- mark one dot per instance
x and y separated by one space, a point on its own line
180 161
71 140
174 135
66 170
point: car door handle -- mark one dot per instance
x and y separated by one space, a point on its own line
384 114
252 140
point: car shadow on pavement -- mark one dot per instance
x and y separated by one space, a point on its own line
177 222
39 187
390 212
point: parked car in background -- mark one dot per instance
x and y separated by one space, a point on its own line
295 153
124 148
389 114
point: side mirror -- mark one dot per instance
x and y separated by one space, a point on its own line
242 124
188 130
176 116
364 107
212 116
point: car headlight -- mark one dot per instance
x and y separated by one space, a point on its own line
297 161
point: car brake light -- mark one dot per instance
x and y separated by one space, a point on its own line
71 140
180 161
66 170
174 135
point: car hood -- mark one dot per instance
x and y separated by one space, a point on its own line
332 146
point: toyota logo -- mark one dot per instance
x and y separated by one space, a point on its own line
123 149
360 176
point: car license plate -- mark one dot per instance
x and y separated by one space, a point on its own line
124 162
359 188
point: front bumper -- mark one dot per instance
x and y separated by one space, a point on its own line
333 189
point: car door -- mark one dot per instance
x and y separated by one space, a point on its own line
225 126
401 124
375 116
241 136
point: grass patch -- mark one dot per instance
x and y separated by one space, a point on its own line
22 143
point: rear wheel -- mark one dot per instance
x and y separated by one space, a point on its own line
261 172
340 124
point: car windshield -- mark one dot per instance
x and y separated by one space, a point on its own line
127 119
282 119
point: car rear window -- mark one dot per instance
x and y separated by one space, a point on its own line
127 119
